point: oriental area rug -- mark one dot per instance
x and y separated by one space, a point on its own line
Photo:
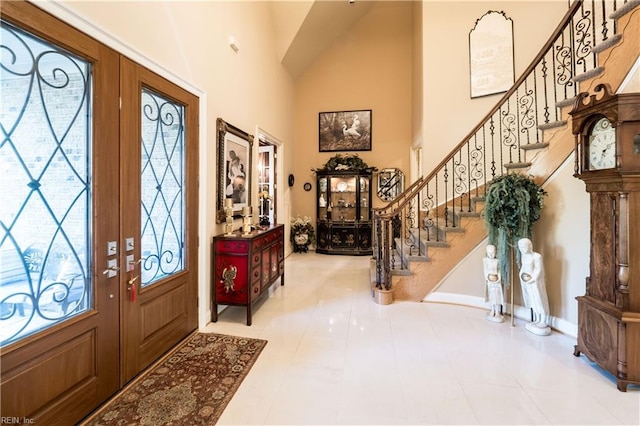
190 386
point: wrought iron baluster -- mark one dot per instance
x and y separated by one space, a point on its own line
519 119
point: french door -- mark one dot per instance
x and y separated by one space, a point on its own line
98 220
158 134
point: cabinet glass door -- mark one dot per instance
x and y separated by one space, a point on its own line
323 199
364 199
343 198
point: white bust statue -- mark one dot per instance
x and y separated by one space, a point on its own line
534 290
493 288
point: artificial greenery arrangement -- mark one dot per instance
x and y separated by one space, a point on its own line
301 227
345 162
512 205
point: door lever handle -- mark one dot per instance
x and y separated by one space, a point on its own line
135 262
111 269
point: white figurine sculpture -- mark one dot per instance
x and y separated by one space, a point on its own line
493 289
534 290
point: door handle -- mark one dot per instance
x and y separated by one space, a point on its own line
112 268
131 265
132 288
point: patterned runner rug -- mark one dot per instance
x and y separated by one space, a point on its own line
191 385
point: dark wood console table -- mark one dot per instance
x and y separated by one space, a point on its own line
245 266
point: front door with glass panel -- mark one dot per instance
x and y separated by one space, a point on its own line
97 220
160 254
59 223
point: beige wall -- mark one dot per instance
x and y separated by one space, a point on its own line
247 89
287 17
371 67
368 68
449 112
417 90
561 236
190 39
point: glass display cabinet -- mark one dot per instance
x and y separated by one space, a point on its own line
344 212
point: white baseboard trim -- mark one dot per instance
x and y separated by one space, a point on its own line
521 312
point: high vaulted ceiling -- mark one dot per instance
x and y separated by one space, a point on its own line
305 29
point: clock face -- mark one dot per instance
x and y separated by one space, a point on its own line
602 146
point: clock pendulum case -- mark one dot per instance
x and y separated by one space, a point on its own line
606 127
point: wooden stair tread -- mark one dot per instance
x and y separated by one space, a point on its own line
513 166
534 146
615 65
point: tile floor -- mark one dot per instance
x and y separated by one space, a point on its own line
335 357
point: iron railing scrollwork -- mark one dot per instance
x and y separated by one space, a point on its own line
501 141
44 152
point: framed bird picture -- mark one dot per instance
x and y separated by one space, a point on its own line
345 131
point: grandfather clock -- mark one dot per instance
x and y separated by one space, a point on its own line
607 133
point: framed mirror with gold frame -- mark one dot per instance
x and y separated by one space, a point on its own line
235 148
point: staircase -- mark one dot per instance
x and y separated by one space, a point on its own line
436 222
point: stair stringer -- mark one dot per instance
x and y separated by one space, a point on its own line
620 58
616 61
426 276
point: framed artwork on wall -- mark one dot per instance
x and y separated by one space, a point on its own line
234 168
345 131
491 55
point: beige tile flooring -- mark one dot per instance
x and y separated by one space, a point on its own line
335 357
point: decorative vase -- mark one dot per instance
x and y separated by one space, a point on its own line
302 243
383 297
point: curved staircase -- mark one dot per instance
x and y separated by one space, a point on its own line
437 221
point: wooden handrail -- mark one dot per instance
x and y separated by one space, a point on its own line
545 49
471 165
406 193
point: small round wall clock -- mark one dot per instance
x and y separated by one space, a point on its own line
307 186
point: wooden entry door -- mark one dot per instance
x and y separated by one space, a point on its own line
59 217
72 338
159 125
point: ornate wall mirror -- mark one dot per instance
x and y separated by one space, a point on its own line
390 184
234 168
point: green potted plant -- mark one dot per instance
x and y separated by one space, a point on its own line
512 205
302 234
345 162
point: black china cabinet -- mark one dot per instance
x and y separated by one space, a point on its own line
344 212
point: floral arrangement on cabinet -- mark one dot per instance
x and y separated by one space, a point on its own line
302 234
345 162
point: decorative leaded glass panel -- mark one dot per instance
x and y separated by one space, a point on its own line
162 187
45 214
